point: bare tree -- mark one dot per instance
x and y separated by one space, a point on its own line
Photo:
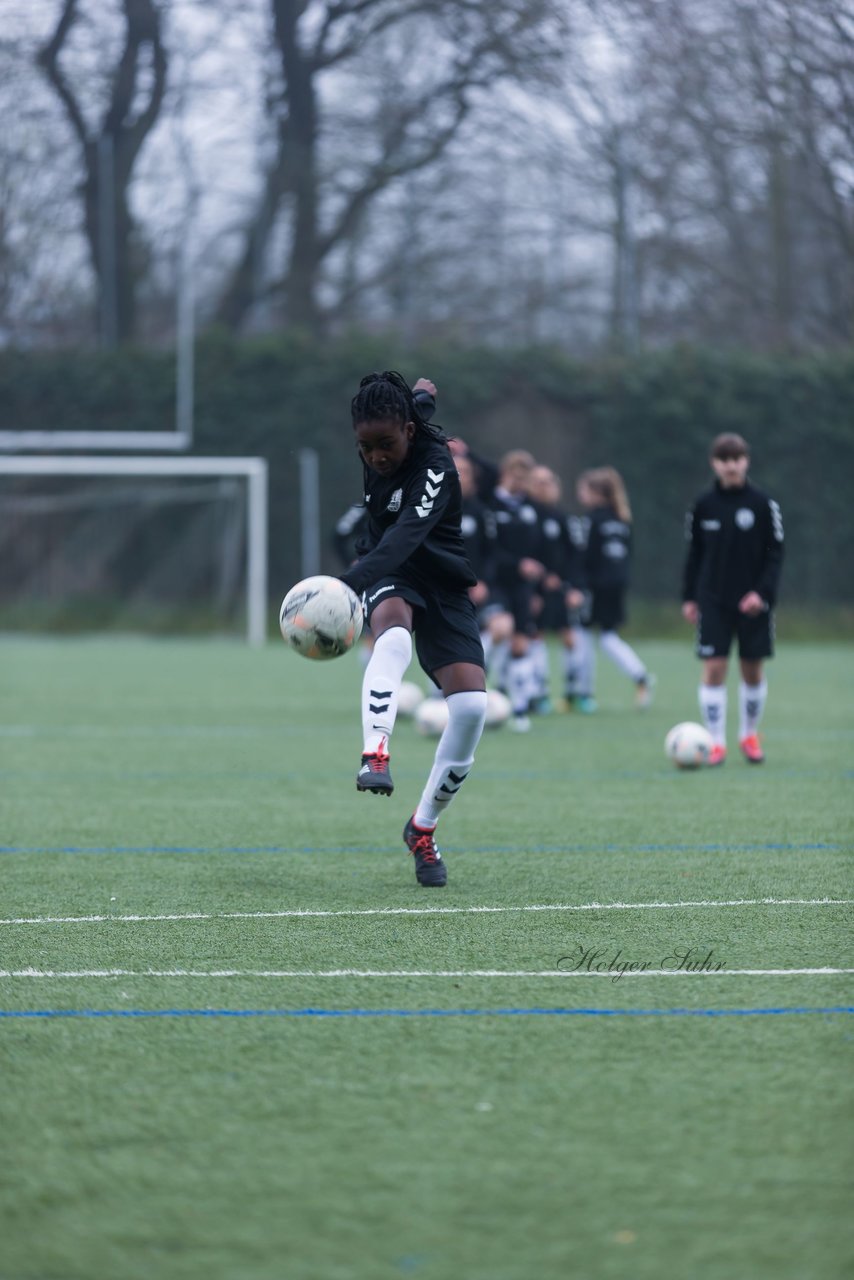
411 109
109 150
745 154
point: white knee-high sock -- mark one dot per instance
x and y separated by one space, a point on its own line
713 710
381 685
498 663
454 755
622 655
571 669
540 663
488 645
586 670
751 704
521 683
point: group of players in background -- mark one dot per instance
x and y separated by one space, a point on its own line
541 572
469 564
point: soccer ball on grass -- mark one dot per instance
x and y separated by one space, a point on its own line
409 698
497 709
688 745
431 716
321 618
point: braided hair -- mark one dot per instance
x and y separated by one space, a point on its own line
387 395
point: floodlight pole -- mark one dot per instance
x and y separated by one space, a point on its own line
108 284
309 483
185 341
256 536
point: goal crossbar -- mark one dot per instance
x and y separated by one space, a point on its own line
253 469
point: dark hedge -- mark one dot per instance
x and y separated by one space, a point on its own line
651 416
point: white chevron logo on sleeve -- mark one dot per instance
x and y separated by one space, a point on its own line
431 488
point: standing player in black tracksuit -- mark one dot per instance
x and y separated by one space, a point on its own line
557 597
415 578
606 533
729 589
519 570
477 526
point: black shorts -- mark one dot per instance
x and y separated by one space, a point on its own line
517 598
605 608
717 626
554 614
444 622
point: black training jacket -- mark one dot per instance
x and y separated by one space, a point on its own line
414 523
606 549
735 545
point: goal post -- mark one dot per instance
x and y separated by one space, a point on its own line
252 470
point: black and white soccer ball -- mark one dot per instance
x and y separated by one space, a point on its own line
321 618
688 745
431 717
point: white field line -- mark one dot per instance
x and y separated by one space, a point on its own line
415 973
431 911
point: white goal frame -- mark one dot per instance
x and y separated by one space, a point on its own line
254 470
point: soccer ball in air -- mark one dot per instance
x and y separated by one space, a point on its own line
688 745
409 698
321 618
431 716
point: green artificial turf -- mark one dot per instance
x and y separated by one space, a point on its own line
511 1124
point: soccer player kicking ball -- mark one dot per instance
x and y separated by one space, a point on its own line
732 569
415 576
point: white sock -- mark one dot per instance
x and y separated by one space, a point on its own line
571 669
499 664
521 683
751 704
540 663
454 755
586 677
623 655
713 711
381 685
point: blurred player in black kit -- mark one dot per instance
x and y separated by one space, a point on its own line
415 578
606 537
519 570
556 598
729 589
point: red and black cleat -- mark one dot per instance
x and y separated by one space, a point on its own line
430 870
374 773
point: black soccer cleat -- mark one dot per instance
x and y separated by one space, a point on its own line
430 870
374 774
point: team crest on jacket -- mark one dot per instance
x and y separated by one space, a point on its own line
744 518
395 500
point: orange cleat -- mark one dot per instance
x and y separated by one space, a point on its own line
752 749
717 755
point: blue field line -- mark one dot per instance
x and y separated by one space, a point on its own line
421 1013
761 847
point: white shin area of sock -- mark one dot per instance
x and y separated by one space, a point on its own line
381 685
586 662
540 664
521 683
751 704
622 655
499 659
713 710
454 755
